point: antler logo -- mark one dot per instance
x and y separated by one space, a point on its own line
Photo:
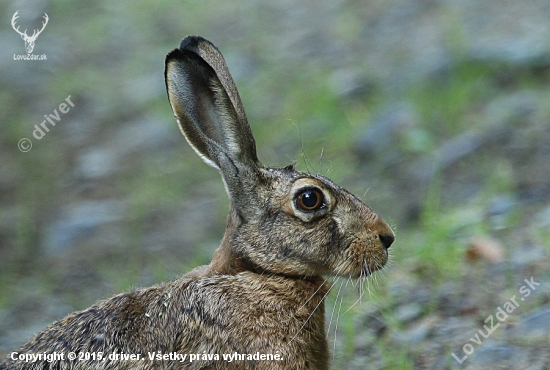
29 40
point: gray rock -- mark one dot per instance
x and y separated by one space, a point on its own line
407 41
96 163
79 221
487 30
383 134
494 356
409 312
456 149
533 327
499 210
456 331
349 82
528 255
145 136
543 217
415 334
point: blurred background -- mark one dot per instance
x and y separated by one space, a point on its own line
436 113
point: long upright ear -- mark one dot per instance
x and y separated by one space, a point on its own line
208 108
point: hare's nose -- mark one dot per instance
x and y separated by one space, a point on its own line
384 232
386 240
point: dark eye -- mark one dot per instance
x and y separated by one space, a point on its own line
310 199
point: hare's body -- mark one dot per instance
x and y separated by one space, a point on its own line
194 315
263 291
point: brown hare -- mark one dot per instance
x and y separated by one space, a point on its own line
263 293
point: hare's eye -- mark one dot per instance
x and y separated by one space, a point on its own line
310 199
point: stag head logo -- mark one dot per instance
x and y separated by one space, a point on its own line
29 40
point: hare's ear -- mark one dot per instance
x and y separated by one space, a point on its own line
206 103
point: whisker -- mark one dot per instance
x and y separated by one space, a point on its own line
314 293
311 314
334 308
338 316
338 271
321 160
362 278
354 303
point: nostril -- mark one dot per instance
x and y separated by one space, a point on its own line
386 240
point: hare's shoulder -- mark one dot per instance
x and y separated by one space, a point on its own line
249 313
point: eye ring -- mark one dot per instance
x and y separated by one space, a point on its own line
310 199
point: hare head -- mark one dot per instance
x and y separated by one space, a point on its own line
281 221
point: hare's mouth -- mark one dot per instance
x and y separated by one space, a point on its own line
366 268
362 260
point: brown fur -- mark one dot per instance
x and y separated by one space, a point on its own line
263 291
194 316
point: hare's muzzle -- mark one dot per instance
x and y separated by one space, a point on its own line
368 252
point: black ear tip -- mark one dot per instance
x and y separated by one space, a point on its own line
174 54
190 42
